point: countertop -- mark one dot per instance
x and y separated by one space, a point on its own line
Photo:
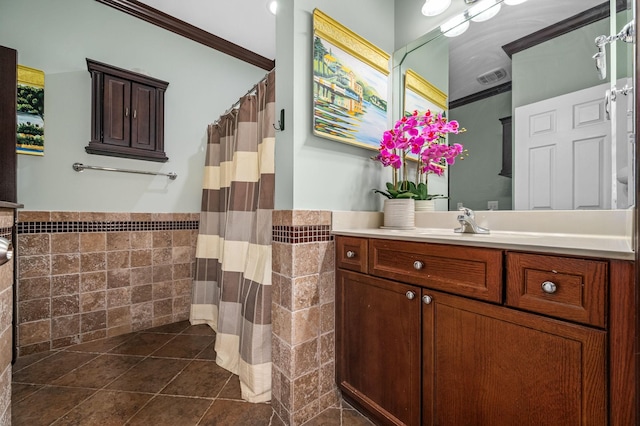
603 234
10 205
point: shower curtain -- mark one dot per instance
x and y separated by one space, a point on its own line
232 284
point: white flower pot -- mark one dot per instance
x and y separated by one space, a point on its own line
399 213
425 205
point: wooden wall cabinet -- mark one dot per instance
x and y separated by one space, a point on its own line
412 351
127 113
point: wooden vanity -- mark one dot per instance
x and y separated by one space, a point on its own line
444 334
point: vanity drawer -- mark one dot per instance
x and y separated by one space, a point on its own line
562 287
351 253
467 271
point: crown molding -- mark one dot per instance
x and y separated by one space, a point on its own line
563 27
169 23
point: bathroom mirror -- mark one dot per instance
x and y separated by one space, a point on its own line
539 132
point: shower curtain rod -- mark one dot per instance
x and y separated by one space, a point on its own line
236 103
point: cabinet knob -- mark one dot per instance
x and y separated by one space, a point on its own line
351 254
427 299
549 287
410 295
418 265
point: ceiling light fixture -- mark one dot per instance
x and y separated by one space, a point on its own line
455 26
272 6
513 2
435 7
484 10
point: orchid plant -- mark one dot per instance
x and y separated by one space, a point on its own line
424 136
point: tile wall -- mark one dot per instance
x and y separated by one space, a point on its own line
6 314
303 307
84 276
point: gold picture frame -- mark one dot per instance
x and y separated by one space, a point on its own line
421 95
350 85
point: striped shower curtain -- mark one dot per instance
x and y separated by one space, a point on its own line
232 284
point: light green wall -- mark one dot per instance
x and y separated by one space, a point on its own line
421 61
56 37
474 181
314 172
556 67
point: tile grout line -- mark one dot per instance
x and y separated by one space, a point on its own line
95 391
174 377
74 407
166 384
107 352
54 352
217 397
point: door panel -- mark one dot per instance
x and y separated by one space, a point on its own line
563 153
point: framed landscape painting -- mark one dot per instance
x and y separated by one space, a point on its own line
350 84
420 95
30 137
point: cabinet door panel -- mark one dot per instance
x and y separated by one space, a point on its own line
143 121
117 98
378 346
490 365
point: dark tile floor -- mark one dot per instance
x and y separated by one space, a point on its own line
162 376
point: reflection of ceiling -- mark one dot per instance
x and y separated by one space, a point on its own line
479 49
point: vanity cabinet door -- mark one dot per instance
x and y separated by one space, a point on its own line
487 365
378 346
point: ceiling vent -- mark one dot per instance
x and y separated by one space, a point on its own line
492 76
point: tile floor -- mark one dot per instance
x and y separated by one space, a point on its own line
162 376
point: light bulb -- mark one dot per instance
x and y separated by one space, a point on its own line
272 6
455 26
513 2
435 7
484 10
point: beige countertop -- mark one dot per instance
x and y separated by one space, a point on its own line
593 233
10 205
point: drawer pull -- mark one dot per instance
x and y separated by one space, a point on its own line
418 265
549 287
427 299
351 254
410 295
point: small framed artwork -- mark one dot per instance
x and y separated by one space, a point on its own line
421 95
350 83
30 137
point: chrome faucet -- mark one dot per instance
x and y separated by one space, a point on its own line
468 224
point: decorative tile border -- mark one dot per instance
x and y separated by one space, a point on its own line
6 233
301 234
108 226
